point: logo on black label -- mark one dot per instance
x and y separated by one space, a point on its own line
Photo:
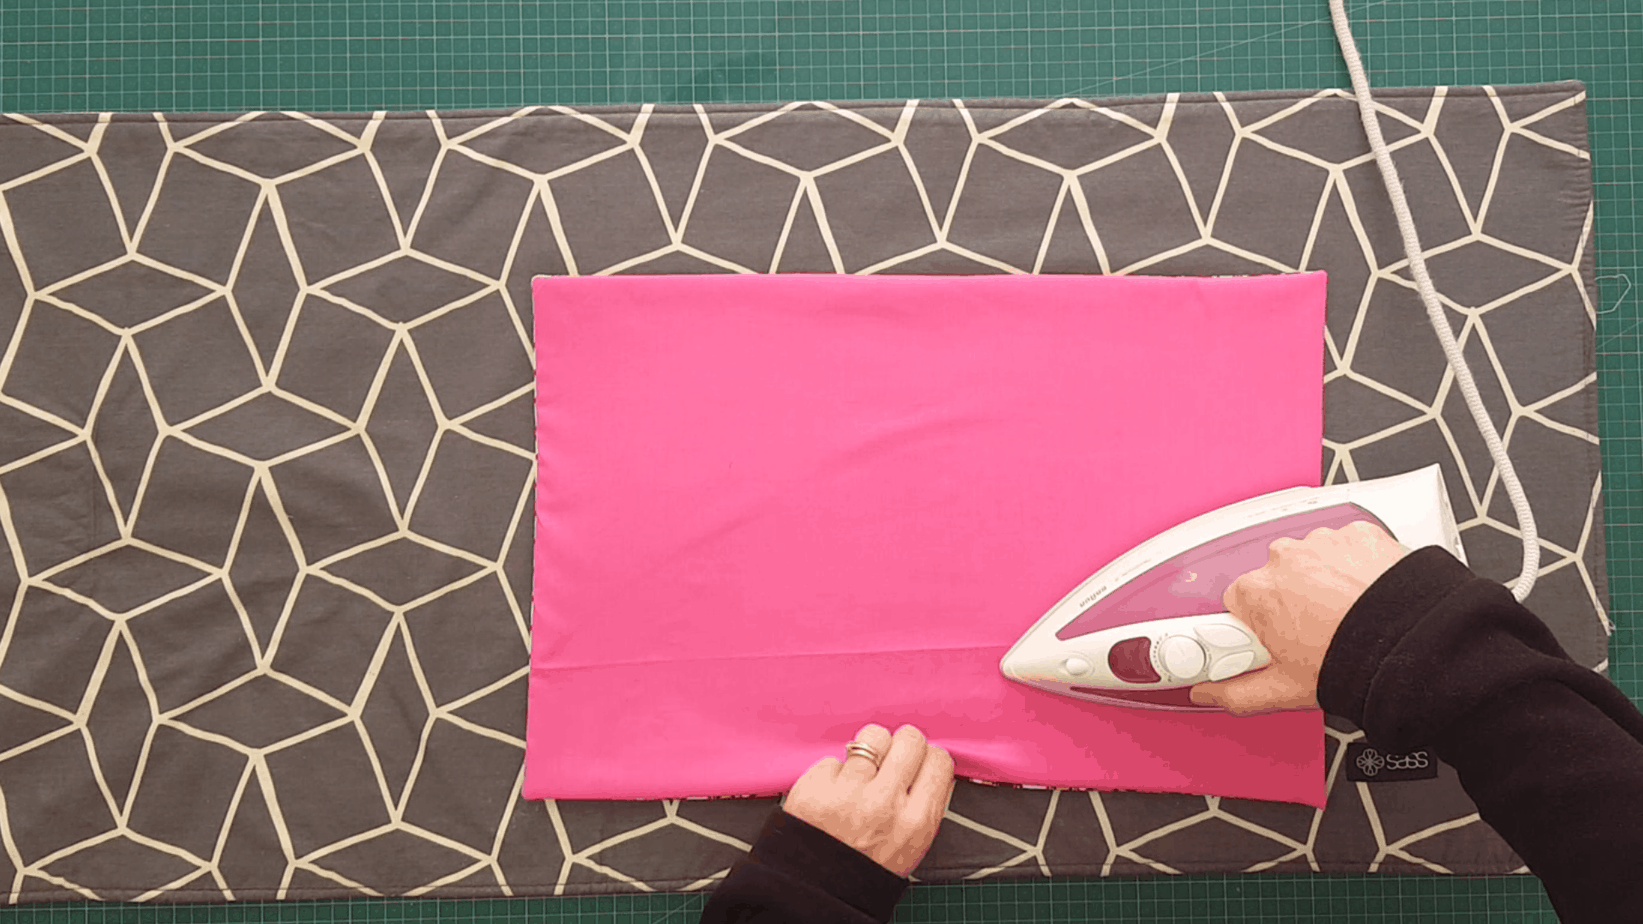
1366 763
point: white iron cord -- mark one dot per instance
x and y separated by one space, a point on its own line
1434 311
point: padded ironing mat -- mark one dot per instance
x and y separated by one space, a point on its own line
267 481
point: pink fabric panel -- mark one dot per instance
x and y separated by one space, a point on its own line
772 508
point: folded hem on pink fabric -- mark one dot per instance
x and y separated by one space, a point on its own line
773 508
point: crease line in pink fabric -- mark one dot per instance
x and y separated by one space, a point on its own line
773 508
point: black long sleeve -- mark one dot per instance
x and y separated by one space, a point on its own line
1552 753
799 874
1430 656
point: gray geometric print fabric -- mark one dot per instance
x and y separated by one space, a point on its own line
265 482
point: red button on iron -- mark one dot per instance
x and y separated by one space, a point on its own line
1131 661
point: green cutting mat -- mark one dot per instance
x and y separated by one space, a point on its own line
218 55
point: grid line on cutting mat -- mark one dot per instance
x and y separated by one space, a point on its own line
197 55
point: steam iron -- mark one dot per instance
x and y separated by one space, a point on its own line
1143 630
1147 627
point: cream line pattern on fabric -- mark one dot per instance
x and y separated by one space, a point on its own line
266 492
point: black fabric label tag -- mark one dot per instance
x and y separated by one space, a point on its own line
1366 763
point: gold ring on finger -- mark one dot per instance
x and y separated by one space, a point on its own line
857 749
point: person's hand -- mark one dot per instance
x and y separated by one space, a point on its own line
890 813
1294 603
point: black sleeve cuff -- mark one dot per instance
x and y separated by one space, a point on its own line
815 868
1378 621
1430 643
805 853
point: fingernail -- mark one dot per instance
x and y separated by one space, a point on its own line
1202 698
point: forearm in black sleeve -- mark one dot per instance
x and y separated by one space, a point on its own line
1551 753
797 873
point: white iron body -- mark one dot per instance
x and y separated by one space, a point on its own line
1143 630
